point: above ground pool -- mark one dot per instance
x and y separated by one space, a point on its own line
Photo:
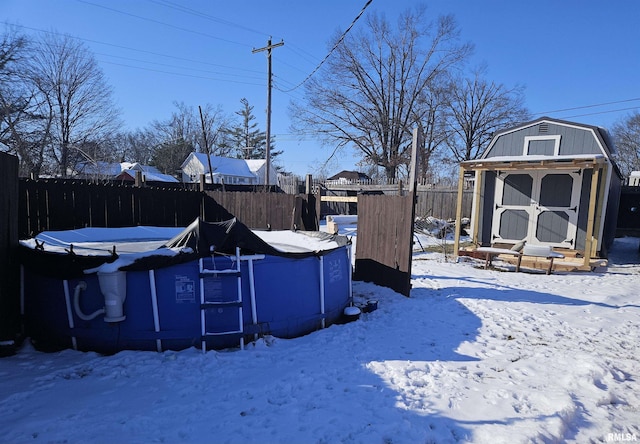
210 285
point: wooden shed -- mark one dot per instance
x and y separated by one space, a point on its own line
547 182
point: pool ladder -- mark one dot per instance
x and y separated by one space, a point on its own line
221 298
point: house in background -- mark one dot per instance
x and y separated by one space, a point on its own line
259 168
96 170
634 179
349 177
149 173
126 171
547 182
225 170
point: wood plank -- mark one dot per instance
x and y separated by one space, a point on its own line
456 236
352 199
595 177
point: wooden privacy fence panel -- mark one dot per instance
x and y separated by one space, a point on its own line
385 241
68 204
442 203
275 210
9 271
62 205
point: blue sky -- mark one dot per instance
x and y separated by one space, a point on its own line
569 55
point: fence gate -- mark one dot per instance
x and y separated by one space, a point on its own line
385 241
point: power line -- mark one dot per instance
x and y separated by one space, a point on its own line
587 106
344 34
603 112
171 66
143 51
186 10
178 74
161 23
300 52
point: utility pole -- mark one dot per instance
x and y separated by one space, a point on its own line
268 48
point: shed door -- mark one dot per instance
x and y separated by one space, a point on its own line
540 207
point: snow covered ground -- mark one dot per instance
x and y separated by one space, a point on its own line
474 355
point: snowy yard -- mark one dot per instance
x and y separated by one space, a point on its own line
474 355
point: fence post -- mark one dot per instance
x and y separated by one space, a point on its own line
308 184
138 180
10 282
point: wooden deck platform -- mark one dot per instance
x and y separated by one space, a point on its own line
570 262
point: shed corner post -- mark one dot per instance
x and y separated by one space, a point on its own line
595 178
476 206
456 236
203 201
601 210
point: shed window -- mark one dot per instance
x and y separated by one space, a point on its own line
541 145
552 226
556 190
514 224
517 190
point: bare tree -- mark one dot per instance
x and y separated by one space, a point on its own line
626 135
216 124
71 89
177 136
181 125
434 132
134 146
182 134
478 108
24 129
169 155
370 92
13 98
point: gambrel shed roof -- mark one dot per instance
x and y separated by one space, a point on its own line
546 137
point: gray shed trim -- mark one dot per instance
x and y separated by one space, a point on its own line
552 138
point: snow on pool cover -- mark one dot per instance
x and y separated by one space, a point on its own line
100 241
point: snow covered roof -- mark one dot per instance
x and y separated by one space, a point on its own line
349 175
113 170
227 166
255 164
98 168
149 176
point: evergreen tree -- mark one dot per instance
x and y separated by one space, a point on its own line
246 139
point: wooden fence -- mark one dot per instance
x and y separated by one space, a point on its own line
436 201
9 268
629 212
385 241
68 204
277 211
440 203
